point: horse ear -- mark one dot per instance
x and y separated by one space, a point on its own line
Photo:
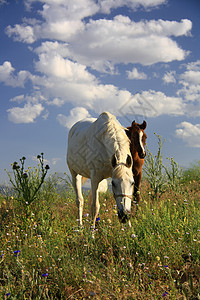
114 161
129 161
143 125
133 123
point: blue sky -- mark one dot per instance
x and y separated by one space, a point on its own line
61 61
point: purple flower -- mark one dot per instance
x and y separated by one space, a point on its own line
97 219
16 253
8 294
45 275
165 294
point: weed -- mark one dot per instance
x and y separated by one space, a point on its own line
27 184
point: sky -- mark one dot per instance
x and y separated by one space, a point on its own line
64 60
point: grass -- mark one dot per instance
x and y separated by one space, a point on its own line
46 257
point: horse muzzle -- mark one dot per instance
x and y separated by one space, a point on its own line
124 217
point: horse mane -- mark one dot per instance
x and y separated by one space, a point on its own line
114 136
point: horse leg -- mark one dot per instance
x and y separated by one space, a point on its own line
95 201
136 193
76 181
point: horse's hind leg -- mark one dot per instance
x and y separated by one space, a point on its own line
76 181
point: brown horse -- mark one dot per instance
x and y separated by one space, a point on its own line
137 137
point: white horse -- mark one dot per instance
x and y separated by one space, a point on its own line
98 149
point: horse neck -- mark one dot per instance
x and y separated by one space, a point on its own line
134 153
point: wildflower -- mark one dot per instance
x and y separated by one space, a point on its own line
133 235
25 175
1 256
47 167
15 166
44 274
129 265
157 258
165 294
8 294
97 219
16 253
166 266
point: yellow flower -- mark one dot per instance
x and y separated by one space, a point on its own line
157 258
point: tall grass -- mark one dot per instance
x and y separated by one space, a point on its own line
49 258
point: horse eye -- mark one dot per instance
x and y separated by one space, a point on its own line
132 183
113 184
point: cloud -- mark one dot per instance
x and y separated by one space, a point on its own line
134 74
190 90
191 77
103 43
189 133
7 75
21 33
65 67
169 77
2 2
26 114
110 42
152 104
76 114
53 64
107 5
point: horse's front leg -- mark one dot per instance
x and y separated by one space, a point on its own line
95 201
137 179
76 181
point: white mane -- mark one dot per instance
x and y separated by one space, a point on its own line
113 135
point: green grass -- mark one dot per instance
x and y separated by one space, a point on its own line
159 257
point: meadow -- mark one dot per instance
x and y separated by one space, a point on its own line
44 255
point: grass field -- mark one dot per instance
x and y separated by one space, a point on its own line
43 255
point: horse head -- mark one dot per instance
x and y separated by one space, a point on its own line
122 186
138 138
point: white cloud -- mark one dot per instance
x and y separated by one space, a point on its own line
110 42
134 74
76 114
169 77
26 114
53 64
80 44
107 5
152 104
22 33
103 43
7 75
5 71
190 90
189 133
191 77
